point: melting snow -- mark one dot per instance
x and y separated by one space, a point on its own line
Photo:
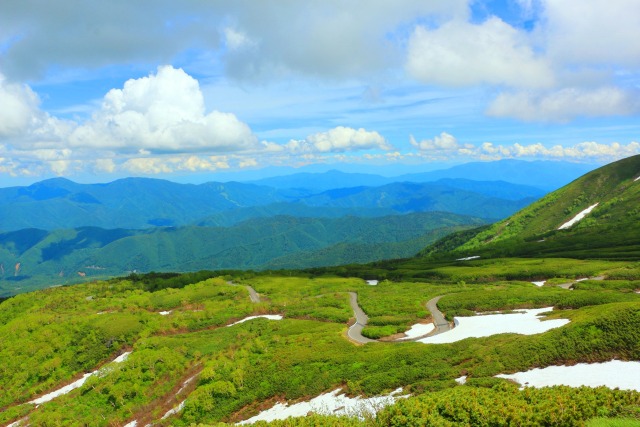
612 374
577 218
539 283
328 404
417 330
468 258
264 316
174 410
525 322
76 384
372 282
124 356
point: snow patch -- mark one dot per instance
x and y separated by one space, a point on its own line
577 218
539 284
462 380
372 282
19 422
468 258
329 404
76 384
174 410
264 316
612 374
525 322
417 330
164 313
124 356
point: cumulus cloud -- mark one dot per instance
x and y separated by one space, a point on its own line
23 124
585 151
18 103
171 164
163 112
592 32
460 53
442 142
340 139
446 146
565 104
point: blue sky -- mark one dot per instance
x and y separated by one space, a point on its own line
94 91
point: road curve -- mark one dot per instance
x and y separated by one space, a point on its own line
355 331
253 295
440 323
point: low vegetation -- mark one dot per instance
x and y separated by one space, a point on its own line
175 327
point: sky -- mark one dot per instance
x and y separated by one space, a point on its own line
194 90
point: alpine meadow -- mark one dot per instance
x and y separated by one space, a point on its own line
320 213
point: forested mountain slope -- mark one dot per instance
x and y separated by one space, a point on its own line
35 258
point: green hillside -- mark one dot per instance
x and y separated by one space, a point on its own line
175 327
610 230
69 256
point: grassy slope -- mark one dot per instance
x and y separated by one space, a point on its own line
609 231
53 335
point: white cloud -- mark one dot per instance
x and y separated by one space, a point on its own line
460 53
442 142
338 140
104 165
248 163
565 104
593 32
18 103
163 112
322 38
446 147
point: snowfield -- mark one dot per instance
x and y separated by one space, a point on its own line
577 218
525 322
612 374
329 404
417 330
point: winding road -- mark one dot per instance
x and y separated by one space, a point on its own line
439 321
355 331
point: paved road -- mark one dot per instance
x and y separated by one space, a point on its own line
570 284
253 295
439 321
355 331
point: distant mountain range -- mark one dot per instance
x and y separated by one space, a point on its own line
544 175
137 203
